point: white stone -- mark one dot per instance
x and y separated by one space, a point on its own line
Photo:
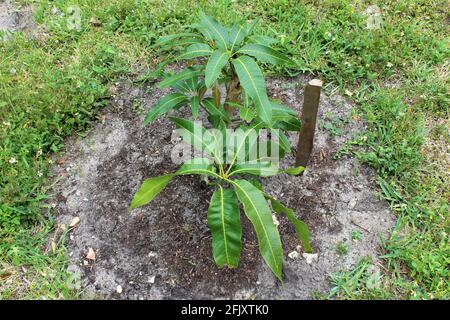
293 255
310 257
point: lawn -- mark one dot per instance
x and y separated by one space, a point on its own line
53 85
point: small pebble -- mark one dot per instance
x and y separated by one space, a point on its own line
119 289
293 255
310 257
275 220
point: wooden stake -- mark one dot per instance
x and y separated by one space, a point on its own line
308 119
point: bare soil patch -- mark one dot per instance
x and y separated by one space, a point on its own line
14 18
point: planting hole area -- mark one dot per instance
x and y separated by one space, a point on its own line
163 250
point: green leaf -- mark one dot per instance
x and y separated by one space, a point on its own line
180 43
250 26
236 35
283 140
225 225
264 169
169 38
284 118
286 122
256 183
197 168
258 212
247 114
295 171
158 69
195 50
244 143
195 104
264 54
151 187
187 73
252 80
265 150
278 108
211 108
215 64
300 227
164 105
217 32
263 40
203 30
197 136
149 190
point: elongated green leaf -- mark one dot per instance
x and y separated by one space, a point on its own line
152 186
164 105
250 26
257 184
172 45
187 73
197 168
264 54
246 111
225 225
197 136
300 227
159 69
218 32
284 118
247 114
214 66
203 30
244 144
286 122
210 107
280 109
196 50
263 169
195 104
182 87
149 189
252 80
169 38
263 40
295 171
265 150
236 35
194 84
258 212
283 140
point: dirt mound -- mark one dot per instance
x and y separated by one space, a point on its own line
163 250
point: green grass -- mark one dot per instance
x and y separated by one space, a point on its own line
53 86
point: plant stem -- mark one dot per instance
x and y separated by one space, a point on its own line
233 92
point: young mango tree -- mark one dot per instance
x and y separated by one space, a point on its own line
229 55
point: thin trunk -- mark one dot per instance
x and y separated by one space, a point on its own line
216 95
233 93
